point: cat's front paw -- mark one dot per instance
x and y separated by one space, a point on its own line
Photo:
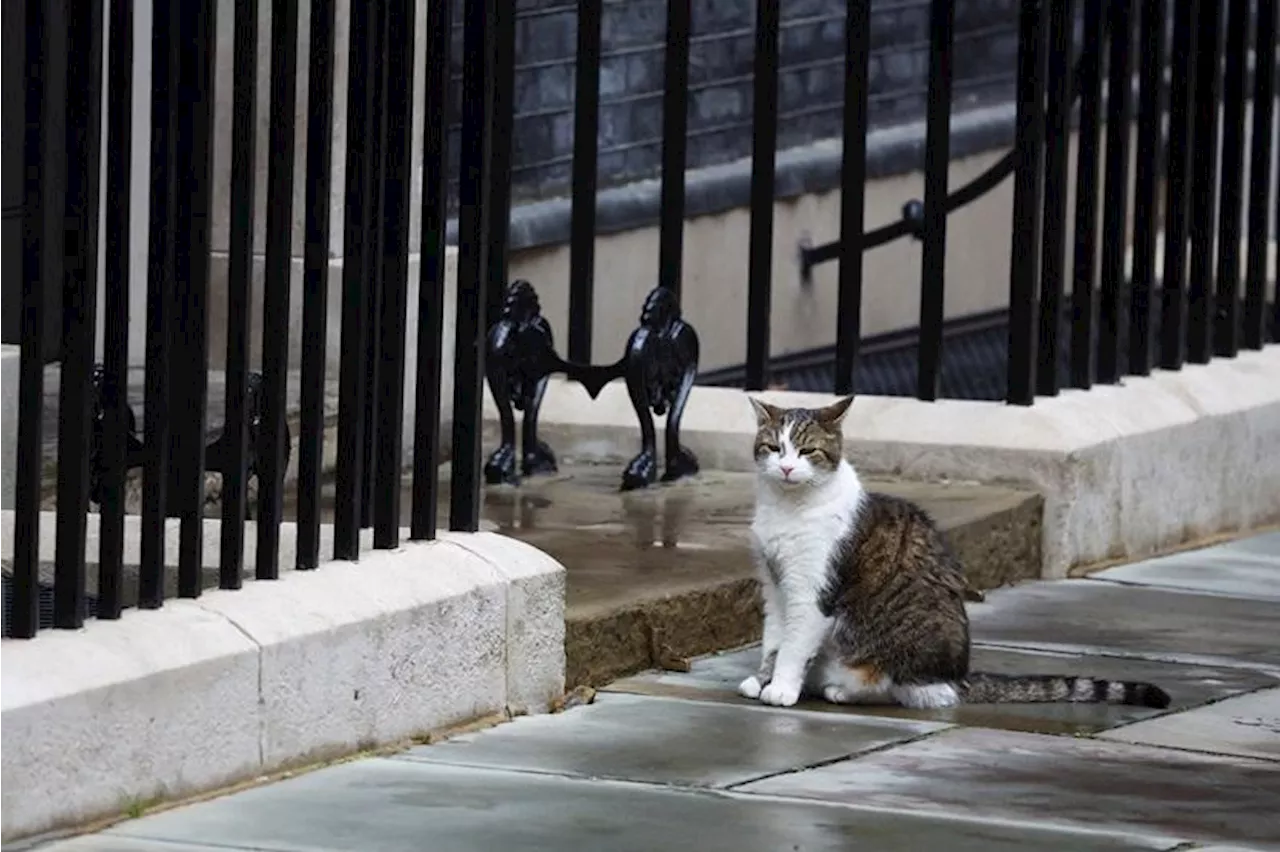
780 695
750 688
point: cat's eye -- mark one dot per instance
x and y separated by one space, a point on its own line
811 452
767 448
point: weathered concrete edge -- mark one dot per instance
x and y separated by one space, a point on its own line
600 647
1125 470
209 692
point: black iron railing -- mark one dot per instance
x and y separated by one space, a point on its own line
1202 298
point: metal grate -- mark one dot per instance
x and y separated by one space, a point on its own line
974 360
46 605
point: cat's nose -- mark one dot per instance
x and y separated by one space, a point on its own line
786 470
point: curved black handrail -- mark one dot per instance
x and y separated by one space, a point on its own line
912 222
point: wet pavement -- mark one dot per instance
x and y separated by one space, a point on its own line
669 760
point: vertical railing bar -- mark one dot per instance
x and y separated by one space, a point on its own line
79 310
155 475
937 148
395 269
244 122
192 264
1146 182
582 229
1053 248
431 273
115 345
1084 265
315 281
1115 204
374 237
349 468
1024 263
853 188
473 257
281 133
1226 335
764 129
1182 95
1204 187
675 123
44 155
1260 157
502 91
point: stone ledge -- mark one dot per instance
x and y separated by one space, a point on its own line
204 693
654 620
1125 470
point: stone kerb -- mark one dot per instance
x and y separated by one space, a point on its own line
237 684
1124 470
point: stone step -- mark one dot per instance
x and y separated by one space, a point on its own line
657 576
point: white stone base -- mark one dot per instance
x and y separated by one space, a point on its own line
1125 470
208 692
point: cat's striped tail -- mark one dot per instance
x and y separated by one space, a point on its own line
983 688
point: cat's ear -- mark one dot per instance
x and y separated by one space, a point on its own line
834 413
765 412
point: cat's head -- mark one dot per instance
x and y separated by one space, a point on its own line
798 447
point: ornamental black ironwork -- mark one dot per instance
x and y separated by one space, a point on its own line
217 455
659 364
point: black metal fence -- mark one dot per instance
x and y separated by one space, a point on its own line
1180 92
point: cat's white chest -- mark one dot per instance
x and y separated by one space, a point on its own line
798 544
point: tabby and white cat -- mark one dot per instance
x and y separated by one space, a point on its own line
863 599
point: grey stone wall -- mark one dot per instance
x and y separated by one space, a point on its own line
811 79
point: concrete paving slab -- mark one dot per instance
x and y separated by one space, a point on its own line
1248 725
716 677
1085 616
1248 569
109 843
409 806
635 738
1060 781
1267 544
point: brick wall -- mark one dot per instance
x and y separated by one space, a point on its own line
720 100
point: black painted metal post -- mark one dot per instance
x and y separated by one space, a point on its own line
502 90
1053 249
937 160
115 344
275 316
398 177
1182 55
235 460
44 153
582 229
1204 187
1226 334
79 306
675 122
155 479
853 188
1084 265
193 202
1260 157
315 281
764 128
473 230
373 275
1024 264
1146 222
431 278
349 469
1115 209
